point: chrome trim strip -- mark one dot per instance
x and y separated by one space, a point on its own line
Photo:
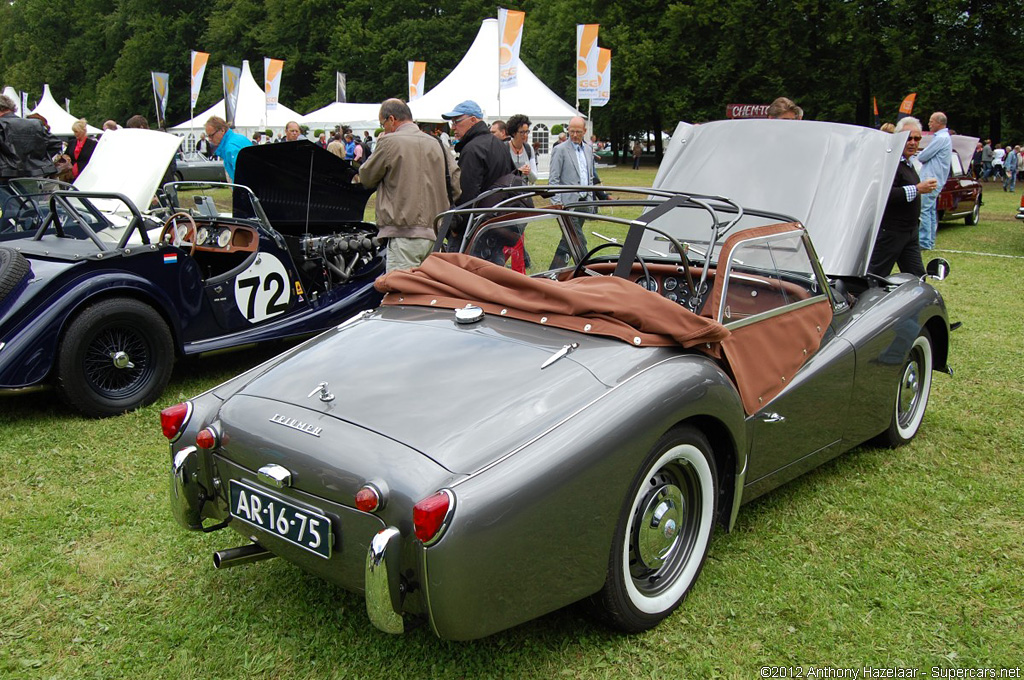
778 311
382 582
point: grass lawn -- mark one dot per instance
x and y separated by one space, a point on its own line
901 558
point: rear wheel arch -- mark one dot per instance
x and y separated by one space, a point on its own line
939 332
130 294
724 452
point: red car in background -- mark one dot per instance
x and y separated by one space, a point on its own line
961 195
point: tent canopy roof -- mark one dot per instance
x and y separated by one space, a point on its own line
476 78
358 116
56 117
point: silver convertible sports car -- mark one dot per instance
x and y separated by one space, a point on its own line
569 402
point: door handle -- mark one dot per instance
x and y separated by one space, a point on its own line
771 418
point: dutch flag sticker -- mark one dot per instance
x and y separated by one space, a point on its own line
170 258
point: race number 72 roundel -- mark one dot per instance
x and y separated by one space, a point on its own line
263 291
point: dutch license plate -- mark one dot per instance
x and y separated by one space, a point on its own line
307 529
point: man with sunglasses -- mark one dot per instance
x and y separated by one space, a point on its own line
896 242
483 160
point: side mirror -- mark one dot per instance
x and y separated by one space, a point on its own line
937 269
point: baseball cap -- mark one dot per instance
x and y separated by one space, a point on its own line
466 108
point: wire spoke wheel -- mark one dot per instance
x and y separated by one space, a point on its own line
116 355
117 361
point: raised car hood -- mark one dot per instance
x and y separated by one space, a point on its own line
284 175
963 146
459 395
832 178
130 162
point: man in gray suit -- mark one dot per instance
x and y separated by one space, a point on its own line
572 163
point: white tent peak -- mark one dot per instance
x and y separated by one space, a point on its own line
476 78
56 117
251 114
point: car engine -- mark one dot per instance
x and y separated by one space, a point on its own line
334 259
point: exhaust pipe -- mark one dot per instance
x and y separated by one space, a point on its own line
245 554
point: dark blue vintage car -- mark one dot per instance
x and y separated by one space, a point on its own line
101 297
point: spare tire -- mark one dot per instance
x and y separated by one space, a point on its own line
13 270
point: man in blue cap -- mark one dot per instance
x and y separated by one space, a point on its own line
483 158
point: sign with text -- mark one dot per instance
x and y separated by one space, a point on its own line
746 110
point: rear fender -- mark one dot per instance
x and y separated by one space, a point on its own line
34 333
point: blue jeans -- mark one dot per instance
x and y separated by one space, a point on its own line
929 221
1010 180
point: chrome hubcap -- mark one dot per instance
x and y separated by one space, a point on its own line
910 389
121 360
660 521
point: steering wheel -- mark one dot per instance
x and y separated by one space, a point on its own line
174 236
590 254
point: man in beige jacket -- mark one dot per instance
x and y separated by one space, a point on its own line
416 178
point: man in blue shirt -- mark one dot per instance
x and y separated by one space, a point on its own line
225 143
935 162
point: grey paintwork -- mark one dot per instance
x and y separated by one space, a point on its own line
539 460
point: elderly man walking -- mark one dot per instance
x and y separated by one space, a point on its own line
935 160
415 177
572 164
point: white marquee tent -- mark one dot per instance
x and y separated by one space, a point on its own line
357 116
251 114
476 78
56 117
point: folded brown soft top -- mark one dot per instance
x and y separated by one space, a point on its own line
599 305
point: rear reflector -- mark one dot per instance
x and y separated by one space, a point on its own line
367 499
174 418
207 438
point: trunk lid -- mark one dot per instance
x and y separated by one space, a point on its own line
459 395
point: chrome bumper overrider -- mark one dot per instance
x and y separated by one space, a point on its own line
186 493
382 587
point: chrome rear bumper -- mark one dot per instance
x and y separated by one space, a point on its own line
382 581
186 493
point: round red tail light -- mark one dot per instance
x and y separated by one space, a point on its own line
173 419
430 516
207 438
368 499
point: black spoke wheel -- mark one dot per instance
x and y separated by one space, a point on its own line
663 535
912 391
13 270
116 356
